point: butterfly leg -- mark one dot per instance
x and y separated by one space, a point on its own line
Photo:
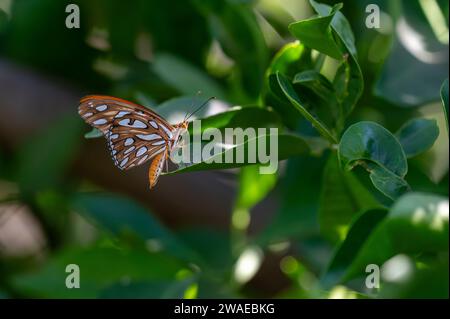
167 161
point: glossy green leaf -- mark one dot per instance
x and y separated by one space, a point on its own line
321 97
379 152
242 117
307 30
342 197
288 145
295 100
390 184
316 81
417 135
348 81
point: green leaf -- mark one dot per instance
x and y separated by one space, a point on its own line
253 186
99 269
386 181
287 60
342 197
243 117
291 95
339 24
118 215
444 98
360 229
316 81
307 30
417 216
320 95
348 81
417 135
186 78
288 145
379 152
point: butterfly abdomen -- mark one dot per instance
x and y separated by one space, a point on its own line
155 168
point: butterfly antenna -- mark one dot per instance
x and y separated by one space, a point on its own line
192 103
200 107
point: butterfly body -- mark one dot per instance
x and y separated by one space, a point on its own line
134 133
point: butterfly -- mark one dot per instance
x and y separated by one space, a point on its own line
134 133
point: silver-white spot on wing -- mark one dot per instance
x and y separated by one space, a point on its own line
121 114
141 151
153 123
114 136
136 123
101 108
99 122
148 137
87 114
124 162
129 150
168 132
142 160
159 143
129 141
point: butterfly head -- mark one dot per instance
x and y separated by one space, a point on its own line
179 131
184 125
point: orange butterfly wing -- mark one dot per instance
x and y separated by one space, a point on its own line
134 133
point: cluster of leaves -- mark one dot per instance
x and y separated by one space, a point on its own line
354 192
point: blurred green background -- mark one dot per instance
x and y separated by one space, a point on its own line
308 231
